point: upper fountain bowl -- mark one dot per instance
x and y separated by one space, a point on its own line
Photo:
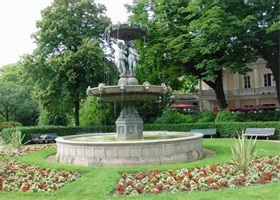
126 31
128 93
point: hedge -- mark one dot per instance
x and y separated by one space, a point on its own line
59 130
224 130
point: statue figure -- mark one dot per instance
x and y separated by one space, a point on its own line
133 57
122 59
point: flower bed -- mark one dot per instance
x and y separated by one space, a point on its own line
9 151
261 171
15 176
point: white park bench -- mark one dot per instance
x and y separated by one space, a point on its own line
260 132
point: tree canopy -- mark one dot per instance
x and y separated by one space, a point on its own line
16 103
68 57
204 38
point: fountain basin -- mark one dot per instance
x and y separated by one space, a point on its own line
184 148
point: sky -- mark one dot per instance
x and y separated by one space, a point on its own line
18 21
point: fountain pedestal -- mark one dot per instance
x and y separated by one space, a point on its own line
129 123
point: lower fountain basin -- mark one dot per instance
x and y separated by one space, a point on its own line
174 147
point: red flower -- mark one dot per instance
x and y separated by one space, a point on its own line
194 180
159 186
130 182
187 184
211 180
63 174
203 174
139 189
267 176
25 188
41 185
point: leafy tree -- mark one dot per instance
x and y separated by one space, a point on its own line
53 118
16 102
263 31
68 57
95 113
201 39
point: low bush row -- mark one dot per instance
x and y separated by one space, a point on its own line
59 130
224 129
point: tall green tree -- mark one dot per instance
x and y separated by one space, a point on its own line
68 57
16 103
199 38
264 32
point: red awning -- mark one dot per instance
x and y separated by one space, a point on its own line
233 108
183 105
263 107
247 108
258 107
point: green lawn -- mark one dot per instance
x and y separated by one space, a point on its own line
99 182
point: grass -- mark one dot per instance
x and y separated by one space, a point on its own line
99 182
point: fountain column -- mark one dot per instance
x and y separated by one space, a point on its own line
129 123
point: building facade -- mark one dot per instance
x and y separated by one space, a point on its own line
256 88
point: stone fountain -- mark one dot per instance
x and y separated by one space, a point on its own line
130 146
128 91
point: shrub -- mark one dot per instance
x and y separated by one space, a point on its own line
173 117
268 115
226 116
243 153
206 116
15 138
9 124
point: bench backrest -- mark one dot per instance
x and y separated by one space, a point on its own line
37 135
206 131
260 131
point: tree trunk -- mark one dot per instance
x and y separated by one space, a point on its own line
276 75
76 114
217 86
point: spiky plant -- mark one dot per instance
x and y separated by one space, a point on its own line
15 138
243 152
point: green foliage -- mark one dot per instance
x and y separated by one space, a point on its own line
243 152
9 124
94 113
53 118
201 38
68 57
206 116
15 138
59 130
224 129
173 117
259 116
16 102
226 116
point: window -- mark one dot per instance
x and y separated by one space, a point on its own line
267 80
247 83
